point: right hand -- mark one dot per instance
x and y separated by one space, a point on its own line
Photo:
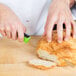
10 25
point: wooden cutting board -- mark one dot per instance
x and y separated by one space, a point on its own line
14 55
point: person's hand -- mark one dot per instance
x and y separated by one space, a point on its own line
59 13
10 25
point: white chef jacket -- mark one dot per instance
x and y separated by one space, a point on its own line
32 13
74 11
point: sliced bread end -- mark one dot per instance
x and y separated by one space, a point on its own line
41 64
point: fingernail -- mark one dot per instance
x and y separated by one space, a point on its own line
21 40
66 39
13 38
43 34
59 41
74 36
9 37
49 40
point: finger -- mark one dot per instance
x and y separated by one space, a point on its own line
68 30
24 28
49 34
74 28
13 31
60 30
14 35
1 36
8 31
45 29
20 33
44 34
8 34
2 30
50 24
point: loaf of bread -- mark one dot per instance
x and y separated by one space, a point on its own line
57 52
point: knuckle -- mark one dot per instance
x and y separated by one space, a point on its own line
13 27
24 28
1 29
68 26
59 27
8 29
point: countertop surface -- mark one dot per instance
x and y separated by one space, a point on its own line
14 56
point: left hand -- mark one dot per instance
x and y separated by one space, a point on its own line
59 13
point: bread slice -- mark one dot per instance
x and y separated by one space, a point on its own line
57 52
41 64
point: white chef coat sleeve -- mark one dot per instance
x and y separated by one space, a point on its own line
5 1
73 9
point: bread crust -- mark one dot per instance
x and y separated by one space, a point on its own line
41 67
